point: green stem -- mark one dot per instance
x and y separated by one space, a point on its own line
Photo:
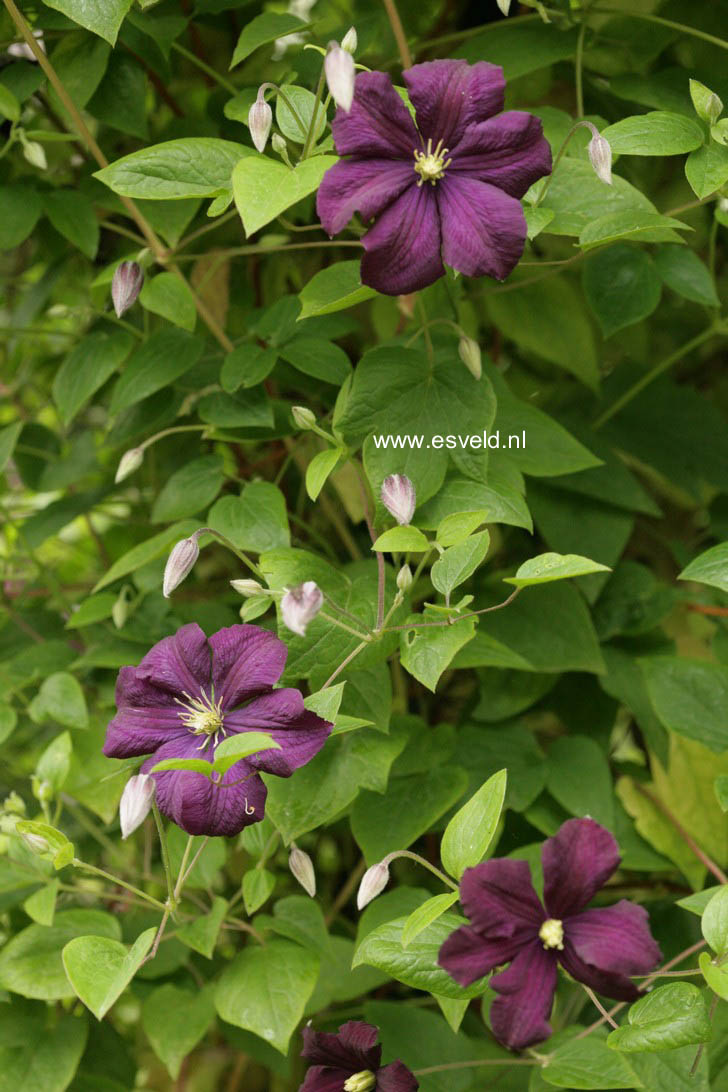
238 553
170 432
314 116
579 71
164 849
204 67
183 864
478 1062
425 863
343 625
184 873
120 883
345 663
682 27
653 373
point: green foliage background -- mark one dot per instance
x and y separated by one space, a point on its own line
603 691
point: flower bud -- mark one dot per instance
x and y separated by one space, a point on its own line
35 842
248 588
136 801
504 6
126 286
300 605
373 882
179 564
469 353
130 461
35 154
301 866
399 498
600 157
260 119
708 105
339 69
350 41
120 609
303 417
404 578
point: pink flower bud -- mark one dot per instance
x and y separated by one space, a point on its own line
339 69
301 866
373 882
600 157
126 286
399 498
135 803
300 605
179 564
260 119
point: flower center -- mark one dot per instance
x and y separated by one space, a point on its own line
202 716
552 934
360 1082
430 165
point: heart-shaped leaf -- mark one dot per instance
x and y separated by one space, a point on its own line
264 189
100 969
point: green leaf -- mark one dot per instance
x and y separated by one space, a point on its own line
93 609
239 746
192 765
416 965
656 133
41 906
147 551
8 721
263 29
9 105
257 520
411 806
459 526
468 835
520 49
621 286
690 697
458 563
265 990
60 850
193 487
171 297
319 469
100 969
401 540
633 224
102 17
427 651
707 169
161 359
317 357
714 922
258 884
21 207
53 765
202 933
716 975
36 1056
253 410
577 197
62 699
31 963
710 567
697 902
86 368
175 1021
72 215
188 167
8 439
682 271
263 188
547 567
669 1017
303 102
424 915
120 98
588 1063
246 366
579 779
334 289
721 791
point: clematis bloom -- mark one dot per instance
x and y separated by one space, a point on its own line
349 1061
599 947
186 696
445 189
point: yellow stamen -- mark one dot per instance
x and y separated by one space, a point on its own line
552 934
202 716
431 164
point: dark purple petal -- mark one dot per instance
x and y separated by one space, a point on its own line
509 151
323 1078
450 95
246 660
519 1016
197 805
353 1047
467 955
614 938
300 733
148 716
609 984
396 1077
179 664
483 229
378 124
361 185
577 861
403 247
499 899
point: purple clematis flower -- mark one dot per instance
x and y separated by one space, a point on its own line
600 947
443 190
187 695
349 1062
